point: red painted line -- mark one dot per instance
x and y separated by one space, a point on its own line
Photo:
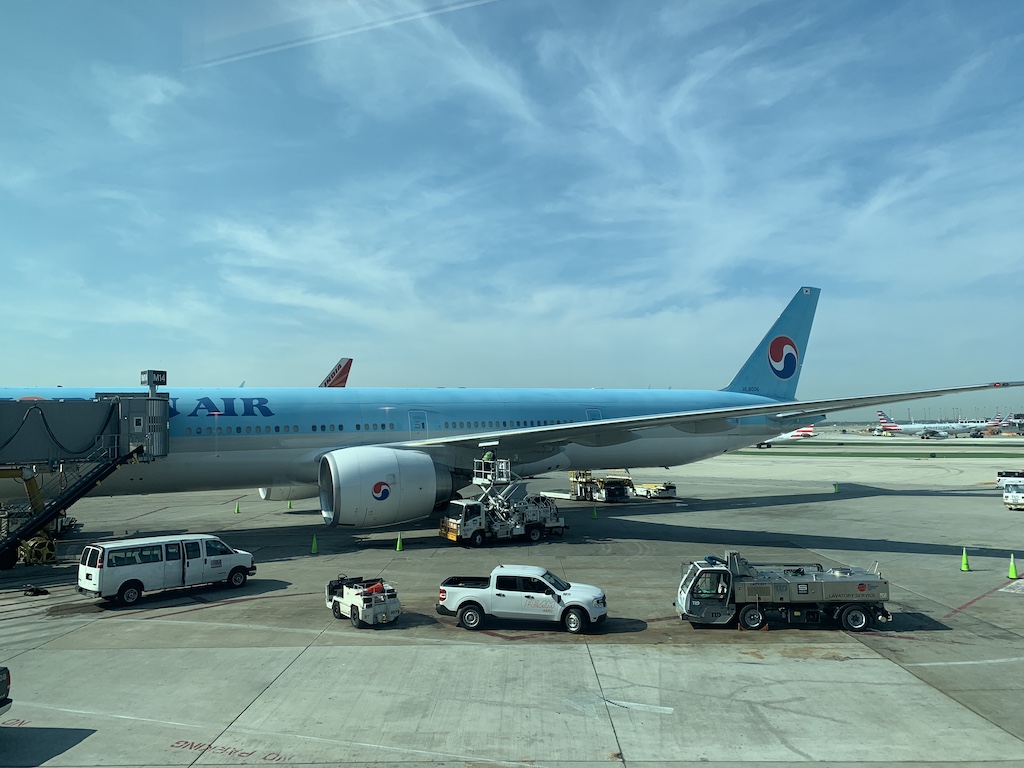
979 597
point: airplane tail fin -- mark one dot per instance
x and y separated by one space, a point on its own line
773 369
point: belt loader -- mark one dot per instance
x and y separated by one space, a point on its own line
717 591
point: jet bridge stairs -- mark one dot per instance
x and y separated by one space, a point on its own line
116 429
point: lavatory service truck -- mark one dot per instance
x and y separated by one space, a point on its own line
719 591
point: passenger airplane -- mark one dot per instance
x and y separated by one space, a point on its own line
378 457
937 431
786 437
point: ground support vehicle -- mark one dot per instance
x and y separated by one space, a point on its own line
5 690
655 490
497 514
363 601
1005 476
583 486
1013 494
717 591
524 592
124 568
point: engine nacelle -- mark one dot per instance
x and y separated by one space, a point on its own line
289 492
374 486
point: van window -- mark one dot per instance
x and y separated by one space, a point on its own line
215 547
151 554
90 556
191 550
119 557
174 551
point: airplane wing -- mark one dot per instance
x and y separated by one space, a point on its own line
613 431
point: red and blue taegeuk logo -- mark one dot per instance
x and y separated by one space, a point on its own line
381 490
783 356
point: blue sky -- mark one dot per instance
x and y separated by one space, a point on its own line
512 193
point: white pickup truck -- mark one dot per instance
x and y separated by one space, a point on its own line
525 592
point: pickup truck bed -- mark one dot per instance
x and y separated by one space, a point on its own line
470 582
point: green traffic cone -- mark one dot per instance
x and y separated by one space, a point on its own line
595 512
1013 568
312 550
289 503
398 546
963 561
236 508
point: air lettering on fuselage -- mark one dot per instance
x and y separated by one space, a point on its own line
205 404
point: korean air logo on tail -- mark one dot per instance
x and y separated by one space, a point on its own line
381 490
783 356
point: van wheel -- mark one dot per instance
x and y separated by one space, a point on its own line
336 609
471 617
238 578
752 617
855 618
353 616
534 533
129 593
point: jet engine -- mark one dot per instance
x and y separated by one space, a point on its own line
289 492
374 486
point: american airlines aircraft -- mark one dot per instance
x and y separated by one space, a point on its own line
938 430
378 457
788 437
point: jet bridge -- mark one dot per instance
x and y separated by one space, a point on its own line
78 444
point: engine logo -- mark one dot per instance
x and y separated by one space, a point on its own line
381 490
783 356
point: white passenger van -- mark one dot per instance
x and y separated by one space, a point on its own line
127 567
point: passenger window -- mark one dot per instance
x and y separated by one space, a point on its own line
506 584
192 550
150 554
215 548
531 584
174 551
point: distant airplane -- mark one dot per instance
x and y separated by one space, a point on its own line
936 431
797 434
338 377
378 457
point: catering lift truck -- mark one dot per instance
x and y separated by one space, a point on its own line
717 591
496 513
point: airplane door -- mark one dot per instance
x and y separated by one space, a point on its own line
418 424
193 563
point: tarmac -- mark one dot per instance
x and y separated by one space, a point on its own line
265 674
